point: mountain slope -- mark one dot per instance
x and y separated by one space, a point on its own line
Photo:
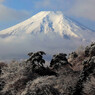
47 30
47 22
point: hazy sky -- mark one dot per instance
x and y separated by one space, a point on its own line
15 11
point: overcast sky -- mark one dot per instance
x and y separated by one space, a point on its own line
15 11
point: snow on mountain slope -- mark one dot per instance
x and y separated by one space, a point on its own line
47 30
48 22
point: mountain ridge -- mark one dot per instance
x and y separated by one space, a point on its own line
49 31
47 21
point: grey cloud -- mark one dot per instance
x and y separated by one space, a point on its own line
15 47
79 8
8 14
83 8
2 1
51 4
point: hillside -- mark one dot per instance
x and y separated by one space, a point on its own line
48 31
72 75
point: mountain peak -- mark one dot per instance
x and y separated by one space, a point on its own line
47 31
48 23
43 14
50 12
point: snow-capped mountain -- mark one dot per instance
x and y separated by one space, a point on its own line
47 30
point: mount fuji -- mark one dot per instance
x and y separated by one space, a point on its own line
49 31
